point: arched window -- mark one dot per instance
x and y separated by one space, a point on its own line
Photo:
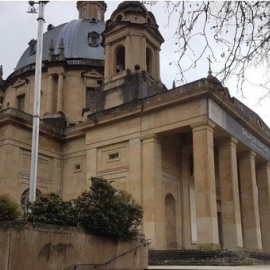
120 59
149 21
119 18
149 58
25 199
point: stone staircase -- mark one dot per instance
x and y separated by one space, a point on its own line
221 257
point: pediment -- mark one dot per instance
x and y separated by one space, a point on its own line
20 82
92 74
115 27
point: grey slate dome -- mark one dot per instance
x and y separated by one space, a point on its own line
75 35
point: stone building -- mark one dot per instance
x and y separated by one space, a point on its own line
194 157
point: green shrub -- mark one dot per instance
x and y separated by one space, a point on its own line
102 211
51 209
9 209
108 212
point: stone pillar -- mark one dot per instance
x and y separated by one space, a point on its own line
153 200
230 201
205 185
135 169
157 56
143 54
50 94
263 181
128 54
109 68
249 201
60 96
91 165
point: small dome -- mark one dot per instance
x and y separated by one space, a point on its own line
134 12
75 36
133 6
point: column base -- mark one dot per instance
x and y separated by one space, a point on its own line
208 246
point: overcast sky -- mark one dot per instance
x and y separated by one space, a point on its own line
17 28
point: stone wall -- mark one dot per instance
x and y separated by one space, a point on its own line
47 247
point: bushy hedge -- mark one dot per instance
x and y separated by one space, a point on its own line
9 209
51 209
108 212
102 210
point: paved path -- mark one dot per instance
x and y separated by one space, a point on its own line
253 267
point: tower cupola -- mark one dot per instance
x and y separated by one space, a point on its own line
132 42
91 10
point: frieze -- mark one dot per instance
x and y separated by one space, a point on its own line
228 123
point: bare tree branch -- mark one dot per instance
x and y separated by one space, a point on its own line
240 29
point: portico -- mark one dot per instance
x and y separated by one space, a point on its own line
195 158
199 182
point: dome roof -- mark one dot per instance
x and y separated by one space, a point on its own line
75 35
133 6
134 12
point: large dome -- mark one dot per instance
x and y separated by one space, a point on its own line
75 35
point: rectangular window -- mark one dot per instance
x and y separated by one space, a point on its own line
77 167
93 39
20 100
114 156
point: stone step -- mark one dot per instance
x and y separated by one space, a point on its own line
207 257
178 267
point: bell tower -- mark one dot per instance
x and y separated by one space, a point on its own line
91 10
132 42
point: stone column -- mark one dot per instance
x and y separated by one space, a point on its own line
189 228
249 201
50 93
60 89
263 181
205 185
230 201
153 200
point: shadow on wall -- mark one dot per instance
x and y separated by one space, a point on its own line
48 247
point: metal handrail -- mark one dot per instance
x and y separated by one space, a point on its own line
77 266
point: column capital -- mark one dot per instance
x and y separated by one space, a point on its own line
263 165
150 138
62 74
203 125
51 72
247 153
227 141
56 70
